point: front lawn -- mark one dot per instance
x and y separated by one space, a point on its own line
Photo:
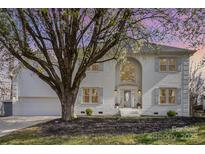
112 131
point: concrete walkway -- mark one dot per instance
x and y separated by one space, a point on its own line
13 123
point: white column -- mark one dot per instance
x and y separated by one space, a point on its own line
133 98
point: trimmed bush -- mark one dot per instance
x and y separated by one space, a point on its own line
171 113
89 111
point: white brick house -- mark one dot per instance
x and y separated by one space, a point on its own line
149 83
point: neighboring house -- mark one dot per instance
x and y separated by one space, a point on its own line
150 82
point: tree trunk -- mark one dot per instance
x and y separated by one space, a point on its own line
67 105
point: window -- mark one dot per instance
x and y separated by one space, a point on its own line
168 64
90 95
94 67
86 95
167 96
94 95
128 72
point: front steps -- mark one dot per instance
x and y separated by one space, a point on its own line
129 112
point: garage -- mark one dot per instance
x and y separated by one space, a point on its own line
37 106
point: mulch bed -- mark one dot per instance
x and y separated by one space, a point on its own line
84 125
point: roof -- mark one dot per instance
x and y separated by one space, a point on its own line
157 48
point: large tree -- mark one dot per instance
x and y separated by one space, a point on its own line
60 44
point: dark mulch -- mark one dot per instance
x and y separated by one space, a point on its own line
84 125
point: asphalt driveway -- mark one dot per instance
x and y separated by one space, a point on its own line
13 123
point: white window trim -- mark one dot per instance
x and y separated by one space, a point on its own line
167 65
90 96
167 96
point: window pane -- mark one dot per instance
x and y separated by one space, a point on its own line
85 99
94 99
162 96
94 95
172 61
172 67
86 92
95 67
162 100
172 64
163 92
128 72
163 61
172 92
163 64
172 100
172 95
94 92
162 67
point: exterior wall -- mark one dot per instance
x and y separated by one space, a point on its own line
103 79
36 98
152 79
37 106
29 85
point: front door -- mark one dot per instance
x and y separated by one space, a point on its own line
127 98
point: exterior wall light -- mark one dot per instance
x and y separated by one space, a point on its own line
115 91
14 99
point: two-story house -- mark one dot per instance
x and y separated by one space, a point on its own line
150 82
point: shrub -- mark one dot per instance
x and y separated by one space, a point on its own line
89 111
171 113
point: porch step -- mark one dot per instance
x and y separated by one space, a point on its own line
129 112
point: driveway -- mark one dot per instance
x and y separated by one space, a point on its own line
13 123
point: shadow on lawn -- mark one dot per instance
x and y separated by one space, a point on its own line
86 126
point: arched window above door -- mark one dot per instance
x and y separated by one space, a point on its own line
128 72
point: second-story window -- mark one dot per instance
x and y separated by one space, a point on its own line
128 72
95 67
168 64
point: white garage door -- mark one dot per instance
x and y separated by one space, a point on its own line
37 106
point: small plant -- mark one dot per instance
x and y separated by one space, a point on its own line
171 113
89 111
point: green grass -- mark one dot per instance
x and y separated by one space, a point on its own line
194 134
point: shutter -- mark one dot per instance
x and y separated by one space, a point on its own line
100 98
80 96
179 66
155 96
100 66
178 95
156 64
